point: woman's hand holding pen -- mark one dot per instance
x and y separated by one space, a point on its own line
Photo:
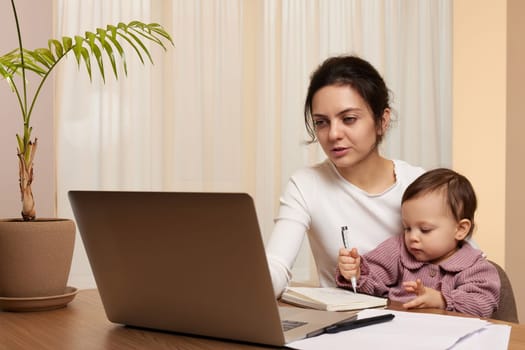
349 262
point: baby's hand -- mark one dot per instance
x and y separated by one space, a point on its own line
349 262
425 297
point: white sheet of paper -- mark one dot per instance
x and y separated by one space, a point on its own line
410 330
493 336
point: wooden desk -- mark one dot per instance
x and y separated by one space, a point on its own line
83 325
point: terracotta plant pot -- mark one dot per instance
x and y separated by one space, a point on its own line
35 257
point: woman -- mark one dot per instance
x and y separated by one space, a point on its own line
347 111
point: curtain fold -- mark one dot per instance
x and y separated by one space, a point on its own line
223 109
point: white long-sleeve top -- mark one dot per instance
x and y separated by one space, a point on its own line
319 201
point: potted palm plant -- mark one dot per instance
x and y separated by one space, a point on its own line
28 237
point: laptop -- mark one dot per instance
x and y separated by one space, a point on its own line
191 263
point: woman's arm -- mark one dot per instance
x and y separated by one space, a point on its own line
287 236
281 251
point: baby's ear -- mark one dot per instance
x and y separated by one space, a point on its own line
462 229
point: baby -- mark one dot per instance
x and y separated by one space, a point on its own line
430 265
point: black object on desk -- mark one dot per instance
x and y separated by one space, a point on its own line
354 323
362 322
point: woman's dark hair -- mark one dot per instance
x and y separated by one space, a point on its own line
459 192
352 71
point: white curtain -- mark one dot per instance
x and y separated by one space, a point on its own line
223 109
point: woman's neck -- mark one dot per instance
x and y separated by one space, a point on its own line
373 175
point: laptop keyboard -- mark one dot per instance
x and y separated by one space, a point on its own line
288 324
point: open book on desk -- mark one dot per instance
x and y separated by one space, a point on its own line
330 299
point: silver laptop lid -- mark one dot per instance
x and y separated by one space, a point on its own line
185 262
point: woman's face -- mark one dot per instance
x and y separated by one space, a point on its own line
344 125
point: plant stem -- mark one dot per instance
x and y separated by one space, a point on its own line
26 151
20 46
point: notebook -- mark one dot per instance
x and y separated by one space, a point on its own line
191 263
331 299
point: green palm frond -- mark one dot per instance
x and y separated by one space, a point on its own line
93 45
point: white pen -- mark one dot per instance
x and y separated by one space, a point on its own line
346 243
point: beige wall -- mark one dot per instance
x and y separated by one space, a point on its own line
36 18
479 110
515 145
488 56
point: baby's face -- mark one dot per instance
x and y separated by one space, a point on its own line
431 231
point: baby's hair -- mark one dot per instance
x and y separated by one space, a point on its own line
458 190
